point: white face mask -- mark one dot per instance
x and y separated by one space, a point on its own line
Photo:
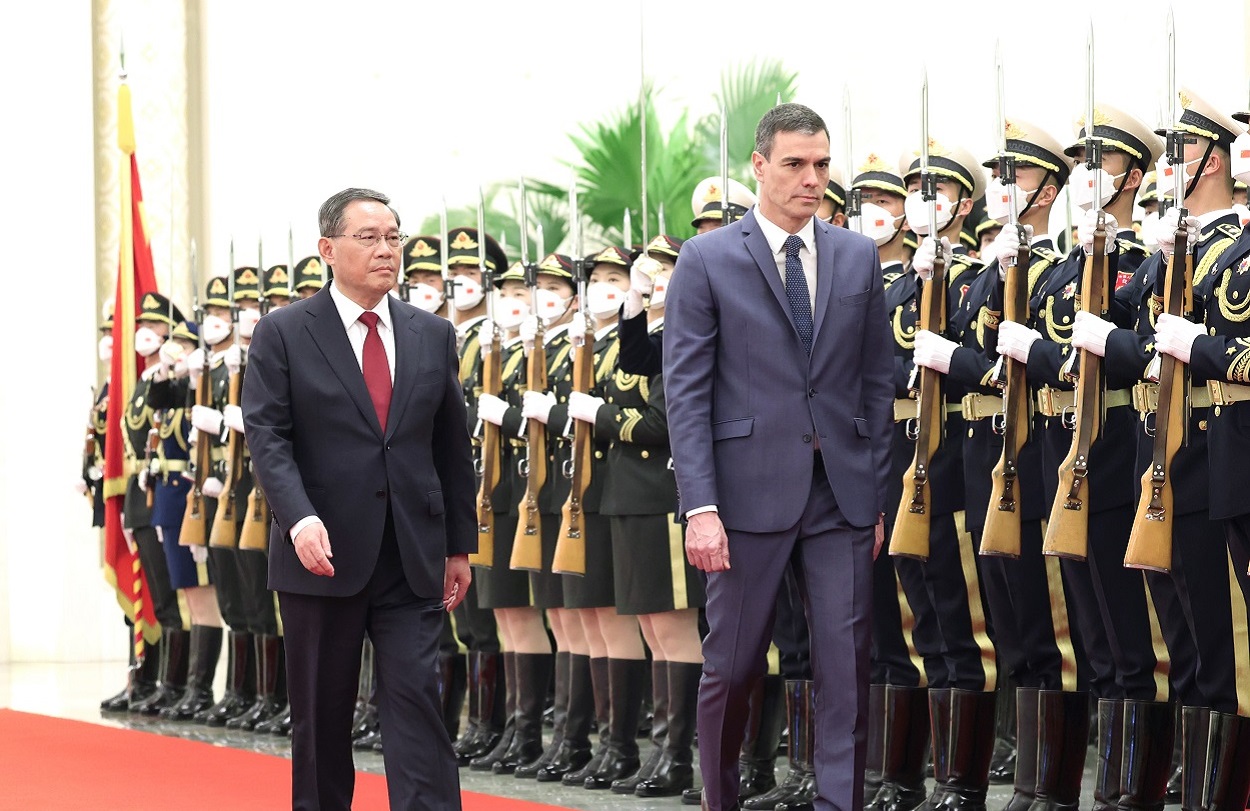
1241 157
147 341
603 299
917 212
550 306
468 292
1166 176
216 330
659 291
998 201
426 297
1148 224
1081 187
510 312
248 319
878 224
105 348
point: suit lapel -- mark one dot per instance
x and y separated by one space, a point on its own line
824 277
407 344
326 330
758 247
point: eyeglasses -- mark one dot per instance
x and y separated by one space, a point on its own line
369 240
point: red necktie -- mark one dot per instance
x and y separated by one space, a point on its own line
377 370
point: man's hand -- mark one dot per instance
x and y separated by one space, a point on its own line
933 351
879 536
1175 336
312 544
1006 247
1016 340
707 545
491 408
1165 231
1089 223
584 407
537 405
1090 332
926 257
456 581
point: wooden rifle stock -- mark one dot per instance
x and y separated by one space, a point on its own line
570 554
527 546
149 453
225 531
1067 531
1150 542
255 533
195 519
910 536
492 383
1001 535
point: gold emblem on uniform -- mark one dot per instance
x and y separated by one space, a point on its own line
421 249
609 255
712 193
873 163
463 242
217 287
1013 131
1244 266
150 302
313 267
1069 291
1185 99
247 276
550 263
279 276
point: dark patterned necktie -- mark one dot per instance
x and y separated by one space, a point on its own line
796 292
376 368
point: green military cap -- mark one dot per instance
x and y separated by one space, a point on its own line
875 173
664 246
1120 132
987 224
515 273
217 292
422 253
308 273
277 281
246 283
462 249
188 331
155 307
955 163
557 264
611 255
1030 145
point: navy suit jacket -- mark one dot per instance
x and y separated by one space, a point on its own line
318 448
744 399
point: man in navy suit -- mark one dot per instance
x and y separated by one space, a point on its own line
777 371
356 422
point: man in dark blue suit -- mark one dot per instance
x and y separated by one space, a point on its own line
356 421
778 379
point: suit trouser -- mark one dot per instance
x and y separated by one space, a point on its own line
790 633
323 640
832 563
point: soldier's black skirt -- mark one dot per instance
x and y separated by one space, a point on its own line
501 586
594 589
652 573
184 572
547 589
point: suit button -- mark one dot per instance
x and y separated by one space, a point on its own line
811 392
380 494
807 437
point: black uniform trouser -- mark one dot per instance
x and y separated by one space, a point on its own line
1174 626
790 633
475 627
1095 666
1237 532
231 593
156 573
262 615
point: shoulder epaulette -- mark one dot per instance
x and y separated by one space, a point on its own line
1128 245
1229 230
891 277
1046 254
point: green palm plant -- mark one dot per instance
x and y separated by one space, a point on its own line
746 93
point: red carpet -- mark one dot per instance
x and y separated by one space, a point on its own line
50 763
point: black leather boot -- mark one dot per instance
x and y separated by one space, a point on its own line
873 763
799 787
507 715
1063 727
174 659
121 701
1173 793
1149 731
658 733
626 679
533 677
757 764
452 684
205 644
1109 747
905 744
674 773
602 700
573 751
467 740
144 676
1003 764
1025 779
238 698
971 746
559 712
267 655
1217 768
492 708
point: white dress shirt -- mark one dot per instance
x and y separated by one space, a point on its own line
776 236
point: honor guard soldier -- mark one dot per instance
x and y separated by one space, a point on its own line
309 276
276 289
1197 600
1217 735
833 206
707 203
423 273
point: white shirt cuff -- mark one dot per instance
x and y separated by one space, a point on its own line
711 508
303 522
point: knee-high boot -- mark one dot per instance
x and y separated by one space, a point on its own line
1149 730
533 677
269 663
674 772
905 744
174 660
626 678
800 780
964 777
602 696
1025 779
205 644
238 697
502 714
1110 747
573 751
659 729
559 712
1063 727
1217 768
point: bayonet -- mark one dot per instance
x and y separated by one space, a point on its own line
854 197
726 215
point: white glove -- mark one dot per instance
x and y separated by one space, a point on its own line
199 554
80 487
1165 231
1085 231
1175 336
926 255
171 352
143 479
195 365
213 487
529 332
232 416
1006 247
206 420
234 358
537 405
578 327
157 372
129 535
933 351
1090 332
633 305
1015 340
160 534
491 409
642 274
584 407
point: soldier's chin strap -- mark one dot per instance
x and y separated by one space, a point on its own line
1033 197
1202 164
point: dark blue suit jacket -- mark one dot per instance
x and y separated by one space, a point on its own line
744 399
317 447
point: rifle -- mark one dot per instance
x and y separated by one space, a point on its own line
570 554
225 532
90 448
1150 542
910 537
255 533
1067 531
492 383
527 546
725 212
194 531
150 449
1001 535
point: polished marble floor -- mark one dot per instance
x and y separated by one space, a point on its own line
75 690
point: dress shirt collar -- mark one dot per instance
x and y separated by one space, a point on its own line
551 333
604 331
462 329
1211 216
776 235
349 311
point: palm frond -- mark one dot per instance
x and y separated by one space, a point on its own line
746 93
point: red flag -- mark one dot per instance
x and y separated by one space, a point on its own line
136 277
